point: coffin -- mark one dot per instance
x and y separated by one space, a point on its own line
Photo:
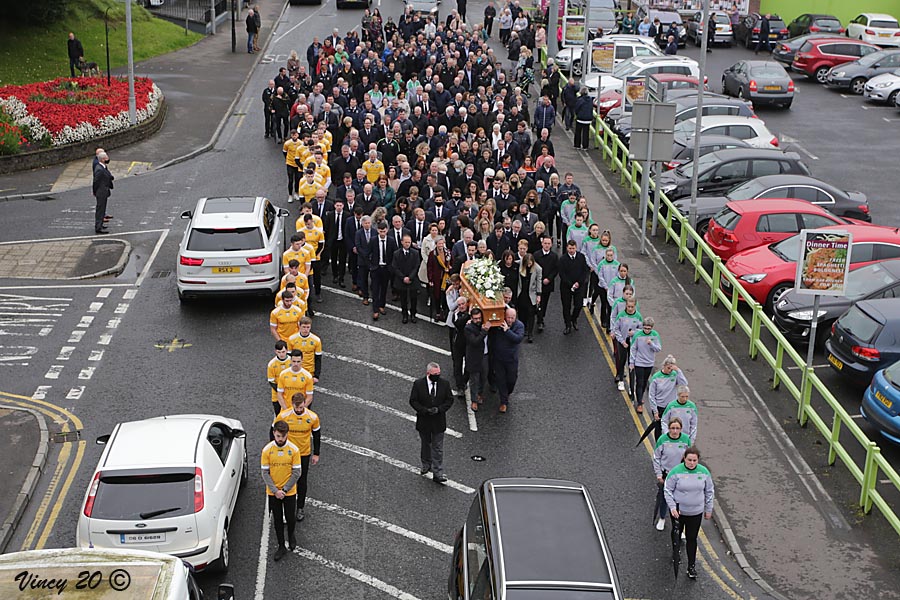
494 310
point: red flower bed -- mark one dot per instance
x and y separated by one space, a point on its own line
65 101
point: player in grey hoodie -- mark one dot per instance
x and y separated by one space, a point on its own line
662 392
690 495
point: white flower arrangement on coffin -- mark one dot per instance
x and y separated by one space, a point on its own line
485 277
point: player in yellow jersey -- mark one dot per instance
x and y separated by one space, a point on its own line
282 465
279 363
284 320
303 428
307 209
293 380
299 299
310 345
299 278
323 171
308 185
315 237
373 167
290 150
298 251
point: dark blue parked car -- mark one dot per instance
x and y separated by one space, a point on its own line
881 403
865 339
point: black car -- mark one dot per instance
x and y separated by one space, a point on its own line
760 81
684 147
854 75
793 312
746 31
815 23
723 170
786 49
852 205
865 339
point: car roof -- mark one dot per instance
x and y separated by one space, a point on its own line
690 100
869 233
764 63
774 205
170 441
820 16
780 179
881 309
838 39
710 139
728 119
878 16
664 77
228 212
773 153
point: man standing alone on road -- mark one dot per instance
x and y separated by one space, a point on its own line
573 273
102 186
430 397
763 40
281 467
252 31
76 52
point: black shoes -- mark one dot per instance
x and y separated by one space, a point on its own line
405 319
567 330
424 470
292 543
692 572
440 479
279 554
575 326
101 231
413 319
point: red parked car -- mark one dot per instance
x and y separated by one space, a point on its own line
817 56
745 224
767 272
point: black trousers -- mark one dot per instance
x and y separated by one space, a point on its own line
282 126
338 253
293 179
505 376
269 120
356 274
546 292
605 308
572 301
409 299
379 287
73 62
582 135
303 482
595 288
691 531
459 377
641 381
100 211
317 268
527 313
489 25
622 353
283 510
661 507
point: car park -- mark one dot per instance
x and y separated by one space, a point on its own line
815 23
746 31
724 34
767 272
850 205
875 28
865 339
602 13
665 17
167 484
231 245
750 129
424 7
569 59
722 170
785 50
353 3
854 75
883 88
640 66
819 55
530 538
793 312
686 108
760 81
685 147
881 403
746 224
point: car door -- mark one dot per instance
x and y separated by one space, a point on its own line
862 254
724 176
887 64
815 221
229 453
856 26
775 227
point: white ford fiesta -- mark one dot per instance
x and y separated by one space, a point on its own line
167 484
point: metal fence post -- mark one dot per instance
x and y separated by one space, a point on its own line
682 242
754 330
835 437
716 273
698 262
633 178
870 474
779 360
805 394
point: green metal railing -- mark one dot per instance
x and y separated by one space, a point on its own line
777 352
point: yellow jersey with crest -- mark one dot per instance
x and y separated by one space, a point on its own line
280 461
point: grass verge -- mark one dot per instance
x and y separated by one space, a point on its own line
29 54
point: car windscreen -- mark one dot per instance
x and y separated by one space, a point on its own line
144 495
667 17
558 594
884 24
727 219
768 70
625 68
892 374
858 324
704 163
225 240
723 19
829 23
787 250
866 280
745 191
870 59
776 25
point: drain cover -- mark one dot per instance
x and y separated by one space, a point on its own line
67 436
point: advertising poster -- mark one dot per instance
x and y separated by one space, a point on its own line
573 31
603 56
635 91
824 262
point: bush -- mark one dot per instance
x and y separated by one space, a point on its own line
36 12
11 136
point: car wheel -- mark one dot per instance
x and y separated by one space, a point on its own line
775 295
822 74
703 226
858 85
221 564
740 93
724 88
823 332
892 99
576 68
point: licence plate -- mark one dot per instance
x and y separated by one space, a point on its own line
772 88
883 400
226 270
884 35
142 538
773 36
837 363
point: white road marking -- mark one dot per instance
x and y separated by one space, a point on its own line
4 298
94 307
369 453
113 323
87 373
45 331
85 322
62 286
377 406
283 35
75 393
30 322
374 367
864 107
796 143
122 308
263 561
96 355
16 355
374 582
53 372
81 237
104 292
393 528
341 292
473 422
31 314
105 339
159 243
76 336
856 416
391 334
41 392
130 294
65 353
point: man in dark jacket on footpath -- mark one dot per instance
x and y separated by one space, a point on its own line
76 52
504 356
569 97
430 397
763 40
252 31
584 116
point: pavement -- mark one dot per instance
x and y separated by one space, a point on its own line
24 445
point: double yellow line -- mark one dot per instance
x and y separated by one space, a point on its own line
67 466
641 425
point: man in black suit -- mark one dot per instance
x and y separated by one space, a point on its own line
398 230
321 205
345 162
362 245
438 207
459 317
381 254
102 187
573 274
549 262
347 183
405 267
352 224
475 332
498 242
431 398
336 234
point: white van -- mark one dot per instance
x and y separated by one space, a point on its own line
94 574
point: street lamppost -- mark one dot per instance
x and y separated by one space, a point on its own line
106 25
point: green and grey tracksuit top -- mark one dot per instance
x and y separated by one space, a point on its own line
626 325
607 270
662 389
687 412
615 250
593 252
577 233
690 491
615 287
616 308
644 347
668 453
567 212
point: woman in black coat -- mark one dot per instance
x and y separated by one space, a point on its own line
510 271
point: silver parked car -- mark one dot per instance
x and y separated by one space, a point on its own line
760 81
884 88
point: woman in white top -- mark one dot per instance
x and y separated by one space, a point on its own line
425 248
496 136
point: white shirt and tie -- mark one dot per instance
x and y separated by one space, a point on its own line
340 225
437 210
382 243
